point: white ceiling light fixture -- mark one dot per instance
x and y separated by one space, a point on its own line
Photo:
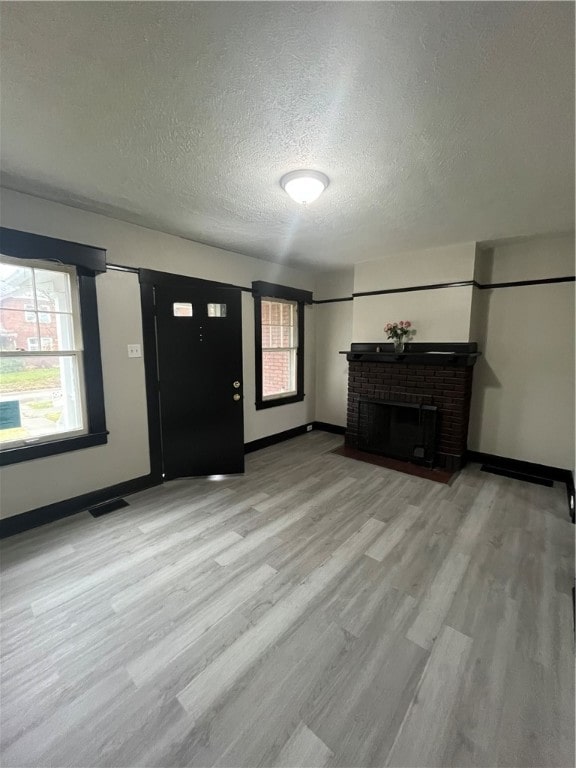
304 186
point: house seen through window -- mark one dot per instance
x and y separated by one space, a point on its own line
41 376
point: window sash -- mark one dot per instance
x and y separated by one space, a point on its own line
80 392
291 326
39 353
291 348
37 312
293 375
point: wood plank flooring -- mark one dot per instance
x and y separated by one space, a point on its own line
316 611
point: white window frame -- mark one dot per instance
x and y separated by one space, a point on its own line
76 352
292 349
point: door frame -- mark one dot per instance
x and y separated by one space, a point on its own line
149 279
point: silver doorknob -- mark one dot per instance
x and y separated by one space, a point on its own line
236 397
236 384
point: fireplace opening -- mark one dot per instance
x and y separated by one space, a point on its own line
398 430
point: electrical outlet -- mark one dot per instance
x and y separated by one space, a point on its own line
309 428
134 350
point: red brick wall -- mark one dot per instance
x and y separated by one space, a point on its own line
446 387
18 330
275 372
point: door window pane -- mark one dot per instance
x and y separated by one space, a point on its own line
182 309
216 310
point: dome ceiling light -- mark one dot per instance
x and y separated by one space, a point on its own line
304 186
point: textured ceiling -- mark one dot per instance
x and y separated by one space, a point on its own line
436 122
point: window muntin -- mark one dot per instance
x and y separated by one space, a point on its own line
41 365
279 348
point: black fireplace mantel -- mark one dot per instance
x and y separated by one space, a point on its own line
415 353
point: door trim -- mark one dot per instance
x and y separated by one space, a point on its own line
151 379
148 279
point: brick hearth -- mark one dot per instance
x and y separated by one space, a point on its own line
448 387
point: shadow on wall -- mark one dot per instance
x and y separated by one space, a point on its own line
484 375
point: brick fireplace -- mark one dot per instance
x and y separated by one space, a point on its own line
425 378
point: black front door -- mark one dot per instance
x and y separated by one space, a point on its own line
199 355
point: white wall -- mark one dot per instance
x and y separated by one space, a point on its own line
453 263
43 481
523 393
336 284
333 334
438 315
529 259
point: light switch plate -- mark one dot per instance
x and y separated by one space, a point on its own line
134 350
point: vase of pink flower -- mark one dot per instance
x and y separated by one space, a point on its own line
400 333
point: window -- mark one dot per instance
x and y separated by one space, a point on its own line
51 394
43 388
182 309
279 348
279 318
216 310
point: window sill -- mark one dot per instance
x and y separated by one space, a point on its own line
40 450
261 404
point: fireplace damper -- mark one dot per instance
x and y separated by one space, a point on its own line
399 430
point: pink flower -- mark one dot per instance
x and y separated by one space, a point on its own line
407 324
387 327
401 323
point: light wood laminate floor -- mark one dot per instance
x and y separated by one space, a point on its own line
317 611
